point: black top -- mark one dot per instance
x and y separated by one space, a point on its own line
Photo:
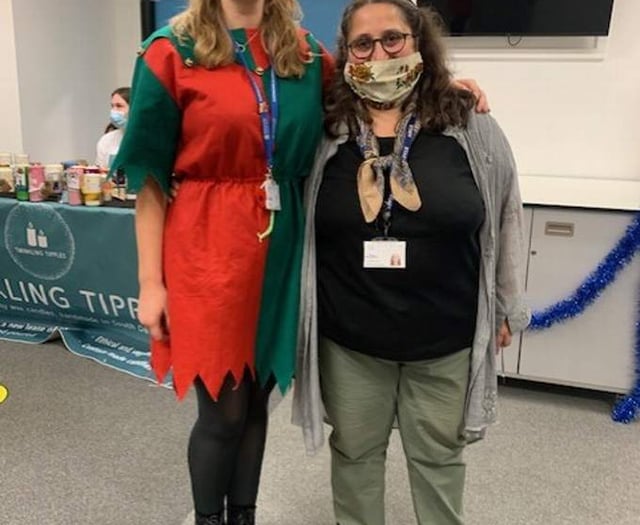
428 309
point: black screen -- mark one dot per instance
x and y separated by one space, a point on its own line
524 17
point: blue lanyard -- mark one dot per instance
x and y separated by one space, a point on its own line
268 112
409 137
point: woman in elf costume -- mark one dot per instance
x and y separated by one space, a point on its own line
229 99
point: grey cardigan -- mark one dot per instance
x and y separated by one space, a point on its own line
500 294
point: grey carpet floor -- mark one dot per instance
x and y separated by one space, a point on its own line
84 444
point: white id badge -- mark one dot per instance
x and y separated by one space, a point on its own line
272 194
389 254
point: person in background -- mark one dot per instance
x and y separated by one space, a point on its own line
407 166
109 143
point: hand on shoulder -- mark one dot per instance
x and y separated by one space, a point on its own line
469 84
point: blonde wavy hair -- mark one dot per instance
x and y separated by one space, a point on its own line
203 22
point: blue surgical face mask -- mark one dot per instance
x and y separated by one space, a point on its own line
118 119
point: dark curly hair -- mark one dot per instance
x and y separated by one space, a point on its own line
438 104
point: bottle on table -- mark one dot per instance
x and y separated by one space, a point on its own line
6 181
21 181
92 186
36 182
74 181
53 180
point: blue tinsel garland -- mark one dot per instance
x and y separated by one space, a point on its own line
591 288
628 407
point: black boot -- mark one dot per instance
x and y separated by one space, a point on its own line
241 515
213 519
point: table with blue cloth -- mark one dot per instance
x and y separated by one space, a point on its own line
72 271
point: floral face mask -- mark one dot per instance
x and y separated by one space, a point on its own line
386 82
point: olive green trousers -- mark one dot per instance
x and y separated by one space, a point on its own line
363 397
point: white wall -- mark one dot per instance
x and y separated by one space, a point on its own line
565 114
568 113
10 125
70 56
126 38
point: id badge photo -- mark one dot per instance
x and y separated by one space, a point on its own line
385 252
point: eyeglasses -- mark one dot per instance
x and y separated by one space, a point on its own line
392 43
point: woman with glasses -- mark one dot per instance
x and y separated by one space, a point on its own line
412 271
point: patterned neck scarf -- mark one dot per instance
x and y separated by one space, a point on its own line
371 172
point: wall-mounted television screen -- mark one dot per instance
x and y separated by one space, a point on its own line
157 13
524 17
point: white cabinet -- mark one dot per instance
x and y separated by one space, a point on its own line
595 349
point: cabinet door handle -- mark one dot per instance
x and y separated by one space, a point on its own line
559 229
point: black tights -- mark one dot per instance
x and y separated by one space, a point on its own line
227 444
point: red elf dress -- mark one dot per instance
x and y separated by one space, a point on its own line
232 300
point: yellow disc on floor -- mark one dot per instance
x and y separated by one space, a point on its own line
4 393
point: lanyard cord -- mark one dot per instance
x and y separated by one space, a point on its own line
268 113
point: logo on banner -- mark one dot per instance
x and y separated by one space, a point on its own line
39 241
